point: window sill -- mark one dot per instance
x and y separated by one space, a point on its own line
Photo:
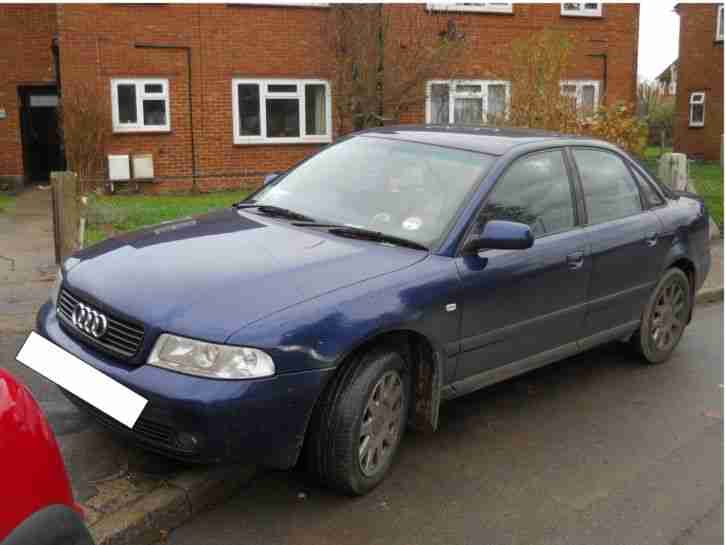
470 11
142 130
278 141
695 126
281 5
582 15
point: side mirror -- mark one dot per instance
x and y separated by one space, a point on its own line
501 235
271 177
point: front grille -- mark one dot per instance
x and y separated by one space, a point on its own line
121 338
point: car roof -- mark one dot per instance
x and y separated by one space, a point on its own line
490 140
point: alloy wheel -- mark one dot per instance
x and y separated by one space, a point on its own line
381 423
669 315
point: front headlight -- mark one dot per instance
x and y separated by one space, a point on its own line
210 360
55 290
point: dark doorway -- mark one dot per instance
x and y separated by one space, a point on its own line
42 144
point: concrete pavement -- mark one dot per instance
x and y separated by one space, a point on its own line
598 449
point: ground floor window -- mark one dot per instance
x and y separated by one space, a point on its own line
584 94
468 102
140 105
696 109
281 111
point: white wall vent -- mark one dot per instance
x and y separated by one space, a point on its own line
143 166
118 167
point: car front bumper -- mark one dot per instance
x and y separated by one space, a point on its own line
204 420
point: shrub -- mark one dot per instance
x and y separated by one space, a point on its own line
619 126
539 64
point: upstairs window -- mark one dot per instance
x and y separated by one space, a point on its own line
719 24
476 7
140 105
584 94
696 109
470 102
281 111
584 9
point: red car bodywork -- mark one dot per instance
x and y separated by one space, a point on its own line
31 468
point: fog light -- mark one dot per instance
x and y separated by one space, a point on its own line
187 441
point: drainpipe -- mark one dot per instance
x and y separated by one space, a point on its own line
189 97
604 57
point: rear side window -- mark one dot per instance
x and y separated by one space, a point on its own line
610 190
535 190
650 193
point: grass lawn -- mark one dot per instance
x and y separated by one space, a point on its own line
707 176
110 215
6 203
708 179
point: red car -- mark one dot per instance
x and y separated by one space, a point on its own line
37 506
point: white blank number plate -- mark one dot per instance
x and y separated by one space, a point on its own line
79 378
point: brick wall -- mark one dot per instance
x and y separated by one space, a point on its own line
26 34
488 36
97 43
700 68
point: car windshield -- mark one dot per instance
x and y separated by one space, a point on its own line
404 189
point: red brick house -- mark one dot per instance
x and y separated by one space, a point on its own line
667 81
698 122
221 94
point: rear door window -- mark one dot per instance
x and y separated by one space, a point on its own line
650 194
609 188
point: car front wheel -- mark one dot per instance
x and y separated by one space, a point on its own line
665 317
361 422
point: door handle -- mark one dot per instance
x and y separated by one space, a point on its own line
651 239
576 260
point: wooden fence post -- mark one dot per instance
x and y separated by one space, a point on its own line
66 213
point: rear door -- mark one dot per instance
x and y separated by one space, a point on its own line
518 304
624 243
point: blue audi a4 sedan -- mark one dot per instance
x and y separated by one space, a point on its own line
345 299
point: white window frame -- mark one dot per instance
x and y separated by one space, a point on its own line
473 7
141 95
264 95
454 94
579 84
692 101
581 10
719 23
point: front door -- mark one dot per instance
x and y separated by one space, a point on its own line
42 143
522 304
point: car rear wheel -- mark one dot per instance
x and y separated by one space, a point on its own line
359 425
664 318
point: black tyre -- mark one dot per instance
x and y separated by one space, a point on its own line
664 317
357 428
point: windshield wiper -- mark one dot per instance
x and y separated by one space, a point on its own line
276 211
364 234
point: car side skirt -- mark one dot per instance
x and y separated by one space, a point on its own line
493 376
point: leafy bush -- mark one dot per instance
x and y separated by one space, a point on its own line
539 63
619 126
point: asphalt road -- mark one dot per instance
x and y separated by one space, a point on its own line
597 449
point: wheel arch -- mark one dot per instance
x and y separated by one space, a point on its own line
685 264
427 367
